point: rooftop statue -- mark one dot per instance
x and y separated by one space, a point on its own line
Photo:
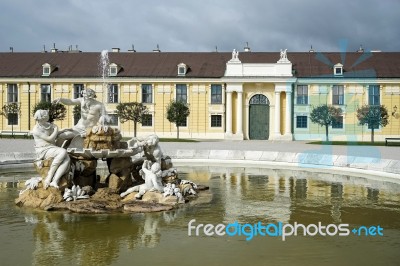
283 57
235 55
284 54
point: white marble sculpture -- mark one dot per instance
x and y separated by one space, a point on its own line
284 54
151 173
283 57
178 194
31 184
169 172
172 190
169 190
188 190
235 55
149 145
44 134
74 193
92 112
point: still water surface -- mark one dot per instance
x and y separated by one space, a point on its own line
30 237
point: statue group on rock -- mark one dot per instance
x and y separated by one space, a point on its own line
67 158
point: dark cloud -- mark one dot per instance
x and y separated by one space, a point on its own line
178 25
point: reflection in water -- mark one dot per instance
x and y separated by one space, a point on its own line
236 194
92 239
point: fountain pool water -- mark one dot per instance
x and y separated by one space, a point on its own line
246 195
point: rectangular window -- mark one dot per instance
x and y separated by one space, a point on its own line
113 93
338 124
46 71
181 93
147 120
12 93
12 119
374 95
181 70
113 71
78 88
216 120
301 121
147 93
113 119
338 95
216 93
302 94
45 90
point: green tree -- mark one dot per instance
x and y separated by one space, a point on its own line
177 112
374 116
76 111
325 115
9 111
57 111
131 112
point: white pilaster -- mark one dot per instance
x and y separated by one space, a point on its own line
288 125
277 124
228 131
239 114
238 88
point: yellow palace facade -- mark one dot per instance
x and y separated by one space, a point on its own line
250 95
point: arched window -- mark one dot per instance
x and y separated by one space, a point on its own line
259 99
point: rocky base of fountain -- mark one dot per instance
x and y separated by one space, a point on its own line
145 184
106 200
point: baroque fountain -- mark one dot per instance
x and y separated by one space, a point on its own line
140 178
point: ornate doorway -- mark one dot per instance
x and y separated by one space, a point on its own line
259 117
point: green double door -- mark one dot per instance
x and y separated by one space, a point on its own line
259 121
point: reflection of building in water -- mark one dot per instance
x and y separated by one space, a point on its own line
307 197
331 197
256 196
77 239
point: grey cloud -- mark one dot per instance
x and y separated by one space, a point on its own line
200 25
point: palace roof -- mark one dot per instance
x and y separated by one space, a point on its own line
200 64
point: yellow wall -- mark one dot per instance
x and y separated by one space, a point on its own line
199 98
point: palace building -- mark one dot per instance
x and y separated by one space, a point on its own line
246 95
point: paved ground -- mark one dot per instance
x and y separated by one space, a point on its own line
391 152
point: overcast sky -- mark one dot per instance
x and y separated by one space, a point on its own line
200 25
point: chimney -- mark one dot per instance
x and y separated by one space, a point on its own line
115 50
247 48
54 49
132 50
157 50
